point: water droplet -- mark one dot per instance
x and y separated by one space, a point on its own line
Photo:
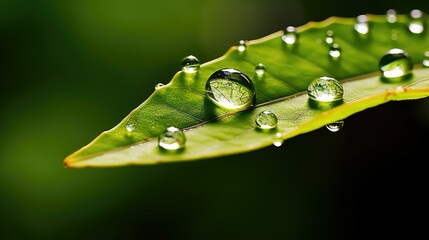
130 127
277 140
325 89
329 37
394 35
230 88
266 120
395 64
426 59
260 69
172 139
335 51
399 89
335 126
391 15
159 85
242 46
361 25
290 35
190 64
416 24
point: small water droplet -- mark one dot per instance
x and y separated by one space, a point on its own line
325 89
426 59
290 36
278 140
361 25
394 35
172 139
335 126
399 89
190 64
242 46
395 64
159 85
329 37
417 21
335 51
391 15
266 120
260 69
130 127
231 89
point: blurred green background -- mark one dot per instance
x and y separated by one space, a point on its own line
72 69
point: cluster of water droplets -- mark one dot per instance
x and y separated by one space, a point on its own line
232 89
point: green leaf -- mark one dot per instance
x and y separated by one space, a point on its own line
212 131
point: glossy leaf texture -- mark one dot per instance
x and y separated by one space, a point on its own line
212 131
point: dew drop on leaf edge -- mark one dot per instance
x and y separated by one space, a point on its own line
425 61
190 64
335 126
278 140
290 36
266 120
325 89
230 89
172 139
242 46
395 65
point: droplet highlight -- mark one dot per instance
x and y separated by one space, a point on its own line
231 89
361 25
335 126
242 46
190 64
391 16
396 64
417 21
426 59
172 139
266 120
290 36
260 69
335 51
325 89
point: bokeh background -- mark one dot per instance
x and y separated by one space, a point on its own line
74 68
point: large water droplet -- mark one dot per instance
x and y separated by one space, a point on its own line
335 126
426 59
417 21
335 51
242 46
395 64
260 69
172 139
230 88
130 127
266 120
325 89
290 36
159 85
278 140
361 25
391 15
190 64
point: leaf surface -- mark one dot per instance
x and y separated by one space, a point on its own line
212 131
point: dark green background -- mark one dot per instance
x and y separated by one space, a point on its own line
72 69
